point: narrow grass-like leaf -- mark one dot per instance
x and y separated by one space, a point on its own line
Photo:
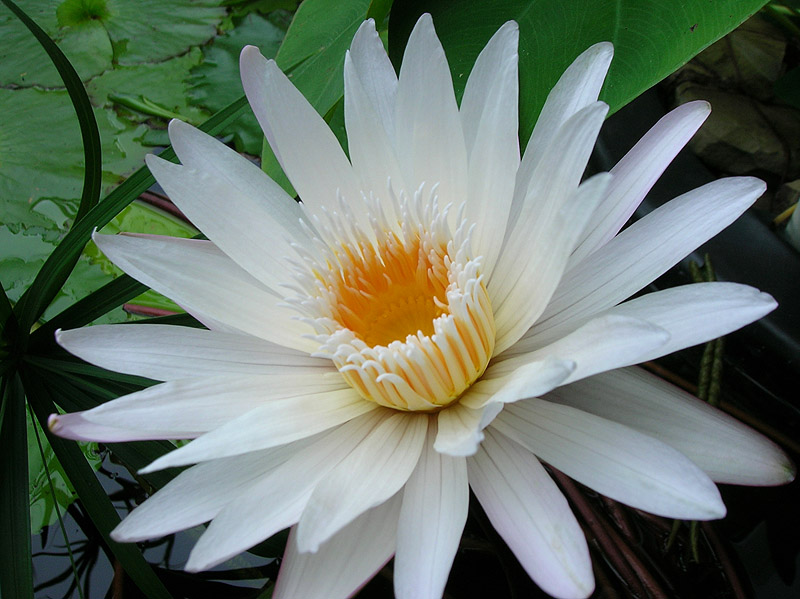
5 308
109 296
44 288
91 493
64 363
56 505
8 338
16 572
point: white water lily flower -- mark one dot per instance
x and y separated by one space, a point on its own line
436 315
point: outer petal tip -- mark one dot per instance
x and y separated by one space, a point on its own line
368 26
769 302
53 423
119 534
249 51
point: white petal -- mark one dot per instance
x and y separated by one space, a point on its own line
196 495
489 116
694 314
604 343
371 151
200 405
635 174
435 505
460 429
269 425
163 352
536 251
532 516
245 218
343 563
613 459
727 450
199 277
303 143
577 88
691 314
649 247
514 380
429 138
75 426
375 471
276 500
376 73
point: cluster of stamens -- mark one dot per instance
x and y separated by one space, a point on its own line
403 313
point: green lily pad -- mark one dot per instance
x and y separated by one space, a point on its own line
154 30
41 154
24 63
215 83
158 83
96 34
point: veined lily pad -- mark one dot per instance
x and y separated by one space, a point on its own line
96 34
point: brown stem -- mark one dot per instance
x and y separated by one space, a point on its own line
724 559
619 553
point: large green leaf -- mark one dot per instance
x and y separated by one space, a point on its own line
22 256
652 38
313 50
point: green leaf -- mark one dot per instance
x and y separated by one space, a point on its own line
652 38
22 256
111 295
91 493
90 135
6 313
313 51
16 574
